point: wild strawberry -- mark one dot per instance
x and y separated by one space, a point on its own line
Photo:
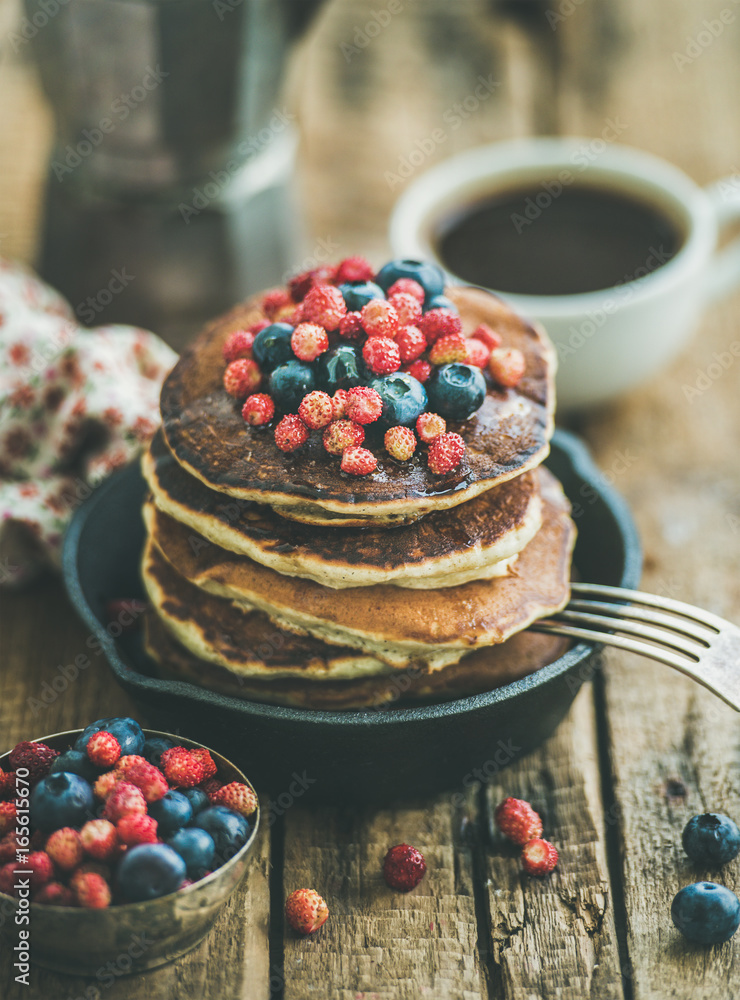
7 817
129 762
40 868
258 409
125 798
135 829
8 847
8 879
517 820
106 783
403 867
407 306
400 442
181 768
411 343
90 867
258 327
407 286
275 300
292 315
354 269
306 911
449 348
238 345
421 370
207 762
438 322
539 857
92 891
316 410
341 434
65 849
7 785
429 426
381 355
37 757
486 334
339 404
148 779
55 894
210 786
103 749
506 366
301 284
358 461
325 306
242 377
99 838
291 433
238 797
350 326
478 353
363 405
308 341
445 453
379 319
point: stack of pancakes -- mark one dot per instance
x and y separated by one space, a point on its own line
278 577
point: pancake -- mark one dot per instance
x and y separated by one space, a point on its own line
483 670
476 540
436 627
508 435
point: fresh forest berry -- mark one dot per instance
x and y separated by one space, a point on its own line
478 354
275 300
381 355
229 829
238 345
291 314
706 913
420 370
538 857
438 323
301 284
147 778
358 461
357 297
55 894
711 839
207 762
400 443
306 911
40 867
449 348
379 319
258 327
290 434
407 306
354 270
238 797
197 798
7 817
339 404
7 784
8 879
428 275
258 409
404 398
196 848
135 829
8 847
411 343
363 405
106 783
403 867
58 800
518 821
242 377
125 798
487 335
210 786
126 730
171 812
182 767
407 286
429 426
37 757
445 453
290 382
342 434
103 749
272 346
340 368
65 849
99 839
325 306
350 326
456 390
316 410
92 891
506 365
308 341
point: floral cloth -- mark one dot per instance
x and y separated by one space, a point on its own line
75 404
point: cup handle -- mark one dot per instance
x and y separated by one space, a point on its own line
724 272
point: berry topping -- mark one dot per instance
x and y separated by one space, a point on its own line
428 275
238 345
420 370
404 398
358 296
340 368
350 326
518 821
379 319
58 800
135 829
358 461
478 353
411 343
242 377
306 911
407 286
290 382
400 442
429 426
381 355
538 857
448 348
706 913
339 404
92 891
407 306
271 346
64 847
325 306
290 434
353 270
300 285
181 767
37 757
445 453
341 434
125 798
440 302
103 749
403 867
171 812
506 366
488 335
148 871
438 322
99 839
711 839
316 410
236 796
308 341
258 409
363 405
275 300
456 391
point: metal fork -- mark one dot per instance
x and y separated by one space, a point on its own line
698 643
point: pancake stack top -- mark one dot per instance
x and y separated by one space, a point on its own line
346 494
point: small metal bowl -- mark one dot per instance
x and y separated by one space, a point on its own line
134 936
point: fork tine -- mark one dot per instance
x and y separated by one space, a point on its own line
706 618
692 630
635 625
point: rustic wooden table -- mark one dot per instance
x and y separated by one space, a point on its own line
642 749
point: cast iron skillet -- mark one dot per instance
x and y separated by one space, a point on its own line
366 754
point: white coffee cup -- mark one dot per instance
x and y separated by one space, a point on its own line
608 341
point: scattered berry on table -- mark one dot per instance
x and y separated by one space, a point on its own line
271 346
445 453
339 404
37 757
342 434
429 426
420 370
507 366
173 811
353 270
518 821
229 829
99 839
403 867
438 323
316 410
706 913
379 319
407 286
135 829
196 848
60 799
103 749
408 307
711 839
290 434
148 871
125 798
404 398
92 891
381 355
538 857
308 341
487 335
258 409
242 377
238 345
358 461
477 352
357 297
350 326
363 405
449 348
290 382
411 343
237 796
324 305
65 849
400 443
306 911
456 390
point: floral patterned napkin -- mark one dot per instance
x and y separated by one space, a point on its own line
75 404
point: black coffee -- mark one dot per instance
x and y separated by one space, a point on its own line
535 241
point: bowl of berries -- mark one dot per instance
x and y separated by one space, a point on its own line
117 840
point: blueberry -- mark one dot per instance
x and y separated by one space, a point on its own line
197 798
456 391
150 870
340 368
127 731
271 346
357 296
706 913
711 840
196 848
228 828
171 812
429 276
154 747
440 302
404 398
75 762
61 799
289 383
